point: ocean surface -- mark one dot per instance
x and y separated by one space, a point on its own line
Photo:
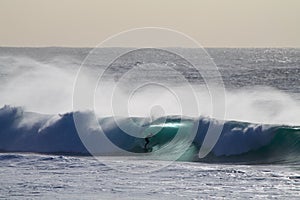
152 130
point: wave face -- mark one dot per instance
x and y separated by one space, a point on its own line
239 142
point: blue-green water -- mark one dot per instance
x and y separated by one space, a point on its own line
44 156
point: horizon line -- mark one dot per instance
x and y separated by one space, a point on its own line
205 47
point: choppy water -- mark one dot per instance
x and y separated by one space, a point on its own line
45 176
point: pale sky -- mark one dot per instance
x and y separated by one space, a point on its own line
213 23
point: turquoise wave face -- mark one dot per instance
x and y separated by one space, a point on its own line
169 138
172 139
283 148
160 134
239 142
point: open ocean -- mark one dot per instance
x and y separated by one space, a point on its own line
46 154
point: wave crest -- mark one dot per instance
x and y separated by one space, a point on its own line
239 141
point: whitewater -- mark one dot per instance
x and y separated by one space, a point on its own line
257 154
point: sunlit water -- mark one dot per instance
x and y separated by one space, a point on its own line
263 86
36 176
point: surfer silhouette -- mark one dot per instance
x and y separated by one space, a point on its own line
147 141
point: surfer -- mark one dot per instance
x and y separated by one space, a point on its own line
147 141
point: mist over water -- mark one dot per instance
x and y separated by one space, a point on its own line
37 86
45 85
262 87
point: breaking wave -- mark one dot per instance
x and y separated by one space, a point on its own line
240 142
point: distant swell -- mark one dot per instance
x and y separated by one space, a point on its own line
240 142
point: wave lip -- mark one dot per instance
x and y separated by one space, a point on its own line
240 142
32 132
